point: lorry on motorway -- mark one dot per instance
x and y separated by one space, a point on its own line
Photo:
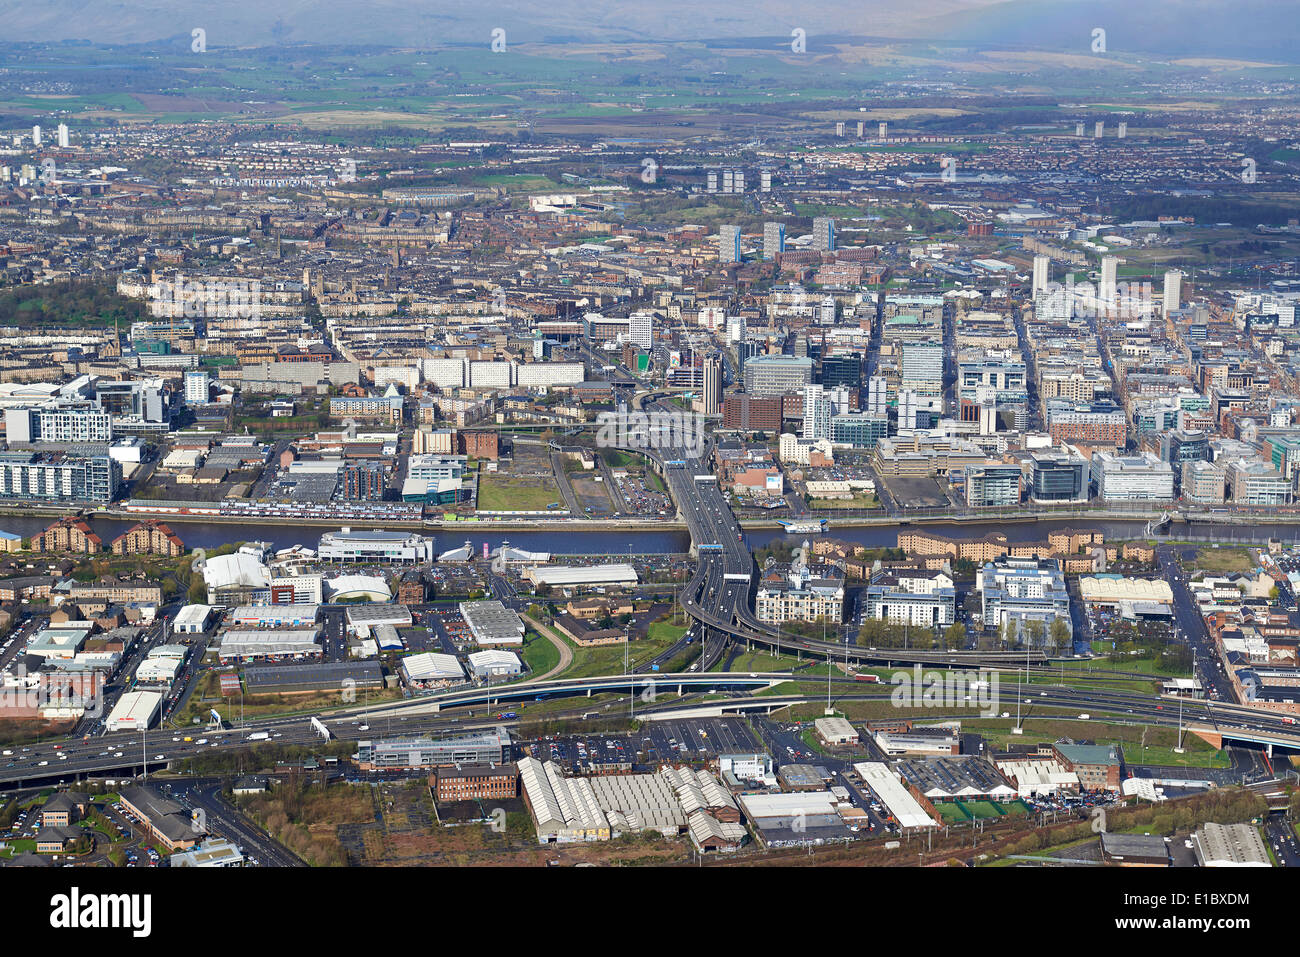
258 736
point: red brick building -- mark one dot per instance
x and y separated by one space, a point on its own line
468 782
749 413
479 445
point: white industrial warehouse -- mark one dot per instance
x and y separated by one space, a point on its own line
133 711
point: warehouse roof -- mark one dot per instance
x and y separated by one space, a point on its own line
330 673
134 709
193 614
239 569
886 786
492 622
1230 845
432 666
351 586
558 576
1108 588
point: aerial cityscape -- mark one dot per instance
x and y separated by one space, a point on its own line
546 437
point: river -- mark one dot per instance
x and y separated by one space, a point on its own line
559 541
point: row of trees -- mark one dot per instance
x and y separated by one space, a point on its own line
877 633
1220 806
72 302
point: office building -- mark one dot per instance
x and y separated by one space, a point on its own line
1059 477
136 406
747 413
1203 482
641 329
163 820
1090 423
841 369
859 430
711 394
994 485
488 747
908 409
922 367
1257 483
777 375
1141 477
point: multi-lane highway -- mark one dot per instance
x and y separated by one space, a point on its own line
718 595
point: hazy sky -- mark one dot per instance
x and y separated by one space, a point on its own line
1258 29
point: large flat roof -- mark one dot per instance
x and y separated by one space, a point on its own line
886 786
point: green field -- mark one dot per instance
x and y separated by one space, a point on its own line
959 812
497 493
538 654
1223 560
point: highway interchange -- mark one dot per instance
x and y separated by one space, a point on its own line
717 598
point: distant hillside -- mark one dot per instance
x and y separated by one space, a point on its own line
423 22
1225 29
1254 30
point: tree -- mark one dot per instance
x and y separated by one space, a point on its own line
954 636
1033 633
1060 633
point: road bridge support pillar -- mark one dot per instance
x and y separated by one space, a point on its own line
588 692
1268 749
679 690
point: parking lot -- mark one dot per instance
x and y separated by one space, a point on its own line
693 741
639 498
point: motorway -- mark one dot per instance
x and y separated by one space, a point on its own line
718 594
125 753
1192 626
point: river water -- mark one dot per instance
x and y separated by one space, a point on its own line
616 542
